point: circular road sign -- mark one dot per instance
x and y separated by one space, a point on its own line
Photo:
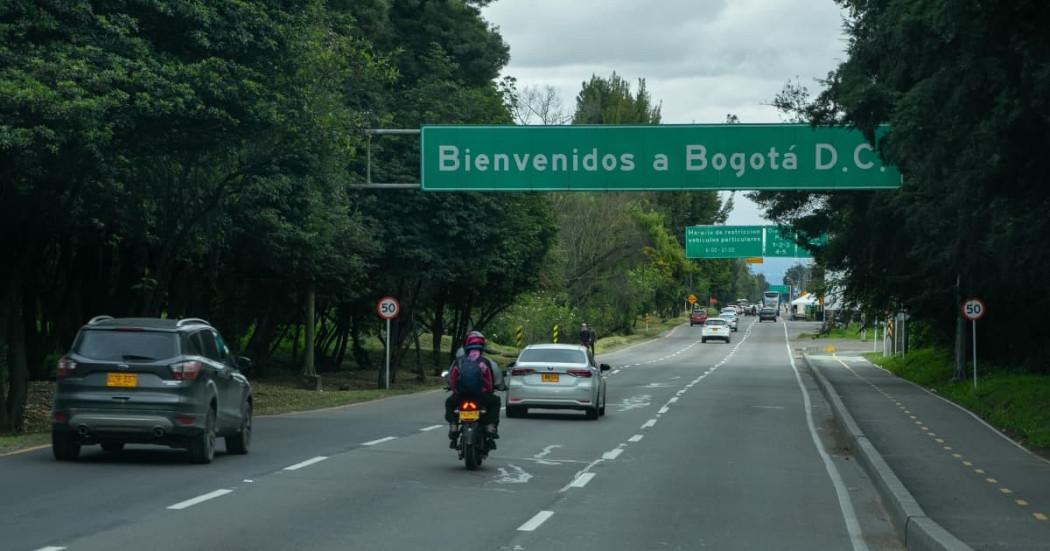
973 309
388 308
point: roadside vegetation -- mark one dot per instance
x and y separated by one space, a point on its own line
1008 399
852 331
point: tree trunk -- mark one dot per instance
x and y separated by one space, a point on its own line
17 375
360 354
437 331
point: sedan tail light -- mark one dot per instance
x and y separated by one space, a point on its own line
520 371
66 366
187 371
585 373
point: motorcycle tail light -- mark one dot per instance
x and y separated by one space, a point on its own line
468 406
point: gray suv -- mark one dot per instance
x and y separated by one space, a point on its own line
151 381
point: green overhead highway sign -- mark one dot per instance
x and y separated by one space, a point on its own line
782 289
655 157
723 241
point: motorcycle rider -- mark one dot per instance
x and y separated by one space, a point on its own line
471 377
587 337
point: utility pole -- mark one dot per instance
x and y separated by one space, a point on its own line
960 335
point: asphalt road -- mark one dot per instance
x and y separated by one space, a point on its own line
704 446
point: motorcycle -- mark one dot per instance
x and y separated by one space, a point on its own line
473 444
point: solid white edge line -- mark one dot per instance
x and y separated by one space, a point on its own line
306 463
535 522
849 516
610 455
636 438
379 441
582 480
431 427
199 499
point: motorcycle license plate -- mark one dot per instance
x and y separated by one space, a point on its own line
469 415
122 380
549 377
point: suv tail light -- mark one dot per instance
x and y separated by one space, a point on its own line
585 373
66 366
187 371
518 372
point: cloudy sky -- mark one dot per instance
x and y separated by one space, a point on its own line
702 59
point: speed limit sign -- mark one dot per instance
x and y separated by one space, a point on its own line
388 308
973 309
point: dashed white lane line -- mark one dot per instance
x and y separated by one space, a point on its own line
535 522
673 400
649 423
612 454
582 480
379 441
615 371
52 548
663 410
431 427
636 438
306 463
198 499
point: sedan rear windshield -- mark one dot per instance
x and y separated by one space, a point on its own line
116 345
553 355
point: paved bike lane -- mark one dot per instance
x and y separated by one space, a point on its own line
979 485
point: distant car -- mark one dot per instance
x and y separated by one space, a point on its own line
715 328
150 381
697 317
767 314
556 376
732 320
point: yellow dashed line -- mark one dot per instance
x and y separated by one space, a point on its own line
991 481
1021 502
1006 490
1040 516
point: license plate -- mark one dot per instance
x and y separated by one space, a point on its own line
122 380
469 415
549 377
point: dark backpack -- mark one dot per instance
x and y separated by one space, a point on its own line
469 380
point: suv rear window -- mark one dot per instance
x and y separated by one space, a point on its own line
116 345
553 355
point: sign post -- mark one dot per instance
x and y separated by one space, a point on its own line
388 308
973 309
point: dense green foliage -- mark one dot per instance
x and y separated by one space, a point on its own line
195 158
619 256
965 88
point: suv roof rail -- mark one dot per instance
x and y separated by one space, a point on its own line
97 319
187 321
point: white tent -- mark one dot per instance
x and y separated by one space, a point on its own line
798 306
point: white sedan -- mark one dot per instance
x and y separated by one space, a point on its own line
731 319
556 376
715 328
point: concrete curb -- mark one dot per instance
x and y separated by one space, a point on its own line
918 531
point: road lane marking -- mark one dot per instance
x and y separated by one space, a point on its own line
379 441
1021 502
615 371
52 548
535 522
991 481
518 476
199 499
663 410
979 471
636 438
27 450
1039 516
967 463
672 400
582 480
613 454
649 423
856 536
1006 491
306 463
431 427
540 457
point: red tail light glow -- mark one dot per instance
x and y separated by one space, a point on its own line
468 406
60 417
520 371
187 371
66 367
585 373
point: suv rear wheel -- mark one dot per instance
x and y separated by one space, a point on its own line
202 446
64 445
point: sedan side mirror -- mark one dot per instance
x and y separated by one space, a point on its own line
244 363
605 367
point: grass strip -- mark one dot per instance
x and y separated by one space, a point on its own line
1016 403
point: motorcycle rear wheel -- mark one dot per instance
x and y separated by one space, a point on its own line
471 456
